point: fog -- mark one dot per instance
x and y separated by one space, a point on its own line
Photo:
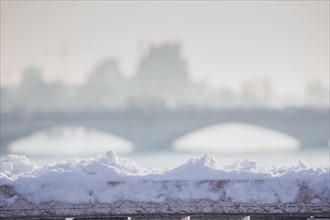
162 81
79 78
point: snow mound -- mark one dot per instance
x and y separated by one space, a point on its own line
109 178
201 168
15 166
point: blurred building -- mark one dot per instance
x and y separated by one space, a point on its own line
162 78
106 87
317 95
256 93
161 81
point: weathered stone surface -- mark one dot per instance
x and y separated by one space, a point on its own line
304 205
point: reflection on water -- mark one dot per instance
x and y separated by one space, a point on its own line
236 137
69 141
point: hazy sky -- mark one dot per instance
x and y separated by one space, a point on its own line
224 42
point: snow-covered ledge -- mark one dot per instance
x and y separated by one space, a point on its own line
114 186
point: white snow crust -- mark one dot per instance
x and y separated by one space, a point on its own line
87 180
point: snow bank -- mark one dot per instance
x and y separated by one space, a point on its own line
111 178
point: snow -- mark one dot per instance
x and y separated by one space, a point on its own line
109 178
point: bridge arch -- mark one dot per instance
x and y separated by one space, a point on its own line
67 139
235 137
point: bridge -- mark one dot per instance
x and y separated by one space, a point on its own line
158 129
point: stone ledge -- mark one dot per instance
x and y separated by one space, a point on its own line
304 205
